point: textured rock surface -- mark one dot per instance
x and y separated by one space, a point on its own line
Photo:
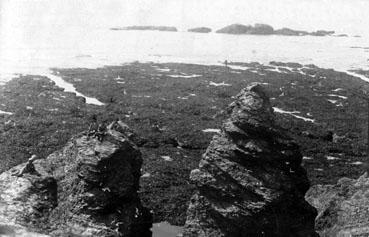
343 208
249 181
87 189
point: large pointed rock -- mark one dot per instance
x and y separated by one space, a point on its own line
89 188
249 181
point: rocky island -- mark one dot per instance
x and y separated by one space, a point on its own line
200 30
264 29
157 28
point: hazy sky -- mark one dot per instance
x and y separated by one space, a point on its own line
349 16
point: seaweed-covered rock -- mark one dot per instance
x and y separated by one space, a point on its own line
249 181
89 188
343 208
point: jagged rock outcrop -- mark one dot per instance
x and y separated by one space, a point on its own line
89 188
249 181
343 208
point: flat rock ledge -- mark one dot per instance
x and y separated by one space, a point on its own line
89 188
250 181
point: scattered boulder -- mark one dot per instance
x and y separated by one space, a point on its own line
343 208
89 188
250 181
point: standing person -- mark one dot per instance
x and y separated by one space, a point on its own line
101 132
226 64
93 126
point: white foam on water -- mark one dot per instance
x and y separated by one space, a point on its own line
219 84
167 158
332 158
307 158
292 113
357 75
339 96
211 130
163 69
5 112
184 76
236 67
333 101
357 163
68 87
146 175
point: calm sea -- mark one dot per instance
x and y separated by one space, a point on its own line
35 50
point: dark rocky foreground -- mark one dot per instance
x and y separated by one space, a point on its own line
250 181
89 188
170 106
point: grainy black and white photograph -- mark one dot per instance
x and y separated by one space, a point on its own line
184 118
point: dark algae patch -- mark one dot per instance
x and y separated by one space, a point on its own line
169 105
